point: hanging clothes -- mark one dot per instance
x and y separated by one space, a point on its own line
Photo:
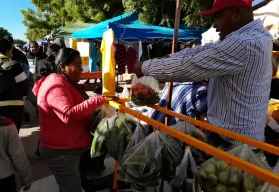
120 58
140 51
108 63
131 58
92 58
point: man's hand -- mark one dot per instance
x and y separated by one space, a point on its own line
138 70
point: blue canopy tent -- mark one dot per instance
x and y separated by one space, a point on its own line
259 3
127 27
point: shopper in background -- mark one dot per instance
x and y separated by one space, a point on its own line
13 85
12 158
18 55
65 113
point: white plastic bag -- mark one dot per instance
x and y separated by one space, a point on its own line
145 91
271 188
183 181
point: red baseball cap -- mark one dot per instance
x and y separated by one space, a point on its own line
219 5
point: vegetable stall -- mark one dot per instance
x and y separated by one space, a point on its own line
243 172
140 157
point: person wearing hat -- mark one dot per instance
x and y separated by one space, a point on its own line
238 67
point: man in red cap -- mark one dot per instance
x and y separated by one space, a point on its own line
238 68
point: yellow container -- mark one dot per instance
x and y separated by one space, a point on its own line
108 63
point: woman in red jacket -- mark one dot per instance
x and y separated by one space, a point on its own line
65 117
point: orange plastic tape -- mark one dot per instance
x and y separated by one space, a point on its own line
261 173
252 142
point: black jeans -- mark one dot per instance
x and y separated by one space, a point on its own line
64 164
14 113
8 184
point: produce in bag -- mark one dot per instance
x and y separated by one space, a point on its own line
103 112
218 176
193 131
112 136
267 186
143 163
145 91
139 134
187 178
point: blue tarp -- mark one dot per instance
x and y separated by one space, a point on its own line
257 3
127 27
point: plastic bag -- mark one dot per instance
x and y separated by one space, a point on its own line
187 178
193 131
112 136
217 175
271 188
145 91
103 112
138 135
143 163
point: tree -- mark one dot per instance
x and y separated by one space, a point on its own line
162 12
51 14
4 32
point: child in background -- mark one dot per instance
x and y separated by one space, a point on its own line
12 156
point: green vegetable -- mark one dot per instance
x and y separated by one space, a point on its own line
221 166
203 174
212 178
210 168
259 188
249 183
221 188
232 189
234 170
223 177
234 179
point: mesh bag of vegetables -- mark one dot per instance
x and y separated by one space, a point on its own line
271 188
143 163
145 91
103 112
218 176
193 131
112 136
186 178
139 134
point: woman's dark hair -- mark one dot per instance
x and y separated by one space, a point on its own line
34 43
66 56
5 46
53 63
53 49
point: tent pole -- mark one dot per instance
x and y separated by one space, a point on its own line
174 49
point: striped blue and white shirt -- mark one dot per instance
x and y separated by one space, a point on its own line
189 99
239 70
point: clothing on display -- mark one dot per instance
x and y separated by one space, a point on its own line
120 58
93 58
131 58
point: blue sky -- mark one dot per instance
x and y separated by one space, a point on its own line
11 17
